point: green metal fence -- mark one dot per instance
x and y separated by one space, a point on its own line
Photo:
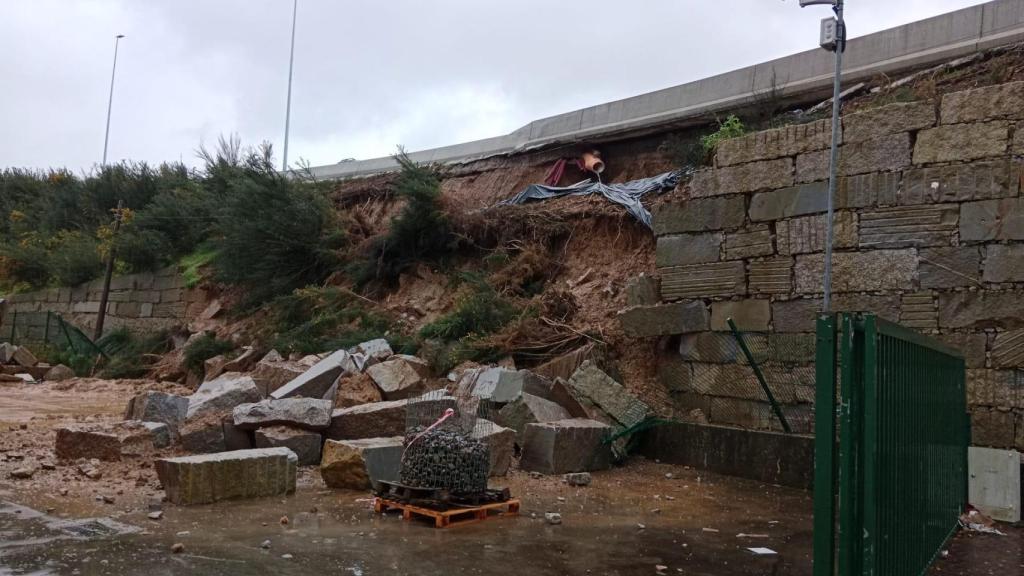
897 476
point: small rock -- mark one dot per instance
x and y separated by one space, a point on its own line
284 520
536 475
287 556
183 533
577 479
668 475
156 504
561 498
155 515
656 511
108 499
265 545
47 465
23 473
23 426
552 518
178 548
641 526
670 497
660 568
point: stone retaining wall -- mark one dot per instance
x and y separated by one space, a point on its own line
929 232
143 302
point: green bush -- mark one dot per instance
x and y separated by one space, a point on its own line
74 258
23 265
276 234
130 355
732 127
479 313
202 349
420 233
313 320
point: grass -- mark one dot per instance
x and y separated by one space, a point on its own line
191 265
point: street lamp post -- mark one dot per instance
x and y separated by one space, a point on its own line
288 105
110 100
833 38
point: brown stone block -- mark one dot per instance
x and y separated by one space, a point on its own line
961 142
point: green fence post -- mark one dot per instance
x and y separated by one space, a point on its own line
869 446
46 330
760 376
824 447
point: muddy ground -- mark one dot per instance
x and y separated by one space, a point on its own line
642 518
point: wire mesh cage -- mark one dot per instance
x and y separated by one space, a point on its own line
443 445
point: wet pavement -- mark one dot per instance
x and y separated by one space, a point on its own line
629 521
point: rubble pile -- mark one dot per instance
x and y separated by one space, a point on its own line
362 416
19 364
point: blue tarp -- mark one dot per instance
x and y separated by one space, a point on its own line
627 194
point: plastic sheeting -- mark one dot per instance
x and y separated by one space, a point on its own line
628 194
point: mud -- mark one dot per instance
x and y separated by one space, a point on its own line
624 523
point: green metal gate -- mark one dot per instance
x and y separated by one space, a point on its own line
897 476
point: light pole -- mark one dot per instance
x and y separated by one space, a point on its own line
833 38
288 105
110 101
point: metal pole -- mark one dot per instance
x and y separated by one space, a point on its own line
110 101
834 159
288 105
102 314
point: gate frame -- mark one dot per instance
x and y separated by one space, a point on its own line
849 486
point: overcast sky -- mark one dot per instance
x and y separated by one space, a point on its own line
369 74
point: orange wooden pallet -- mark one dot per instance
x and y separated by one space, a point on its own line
454 516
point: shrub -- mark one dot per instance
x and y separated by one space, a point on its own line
202 349
130 355
420 233
731 128
277 234
24 265
312 320
140 249
74 258
479 313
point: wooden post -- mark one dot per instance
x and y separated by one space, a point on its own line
101 316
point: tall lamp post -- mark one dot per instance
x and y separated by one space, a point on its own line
833 38
104 297
288 105
110 100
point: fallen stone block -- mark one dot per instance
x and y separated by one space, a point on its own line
500 444
270 375
309 413
360 464
355 390
377 350
244 362
110 441
381 419
24 357
400 377
592 386
528 409
222 393
152 406
7 352
496 384
214 367
304 443
228 475
574 445
314 382
59 373
204 434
